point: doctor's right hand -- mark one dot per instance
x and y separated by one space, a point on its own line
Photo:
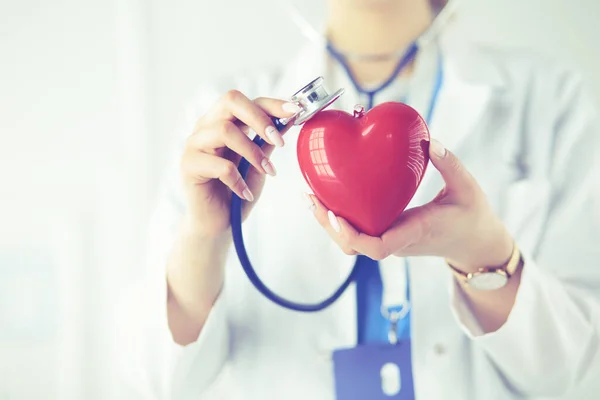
195 270
212 154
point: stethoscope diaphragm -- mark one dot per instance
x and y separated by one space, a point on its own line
313 98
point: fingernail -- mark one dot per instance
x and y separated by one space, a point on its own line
274 136
309 203
291 108
437 148
334 222
268 167
248 194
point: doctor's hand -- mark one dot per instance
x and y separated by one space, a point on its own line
195 272
212 154
458 224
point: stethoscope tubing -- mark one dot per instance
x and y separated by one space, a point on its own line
238 241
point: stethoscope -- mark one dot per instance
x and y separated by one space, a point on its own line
311 99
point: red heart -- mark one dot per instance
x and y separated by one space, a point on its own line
365 168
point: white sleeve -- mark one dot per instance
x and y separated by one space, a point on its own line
151 365
549 344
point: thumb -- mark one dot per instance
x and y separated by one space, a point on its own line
459 182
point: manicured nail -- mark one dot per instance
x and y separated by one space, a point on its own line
274 136
437 148
334 222
268 167
309 203
248 194
291 108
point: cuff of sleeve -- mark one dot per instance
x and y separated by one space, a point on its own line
522 307
154 365
462 312
544 339
182 371
196 366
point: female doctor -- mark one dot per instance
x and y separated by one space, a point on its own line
513 186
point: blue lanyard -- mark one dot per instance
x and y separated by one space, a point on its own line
372 323
439 81
399 315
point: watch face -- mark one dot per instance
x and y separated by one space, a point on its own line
488 281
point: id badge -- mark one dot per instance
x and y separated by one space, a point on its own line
374 372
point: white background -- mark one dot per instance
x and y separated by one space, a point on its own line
91 95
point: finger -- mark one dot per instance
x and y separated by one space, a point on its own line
277 108
255 181
376 248
347 236
235 157
371 246
225 133
274 107
235 104
322 215
244 128
410 230
203 167
460 184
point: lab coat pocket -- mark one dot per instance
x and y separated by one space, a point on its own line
526 209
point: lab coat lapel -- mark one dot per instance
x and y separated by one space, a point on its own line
468 83
464 98
460 107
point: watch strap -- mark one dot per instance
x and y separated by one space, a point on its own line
508 269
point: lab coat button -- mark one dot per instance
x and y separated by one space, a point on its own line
325 348
439 349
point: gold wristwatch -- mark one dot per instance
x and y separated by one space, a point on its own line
490 278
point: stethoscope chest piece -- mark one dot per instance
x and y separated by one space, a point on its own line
313 98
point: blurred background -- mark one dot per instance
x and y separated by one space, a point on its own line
92 94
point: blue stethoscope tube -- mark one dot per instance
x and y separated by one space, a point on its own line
404 61
236 201
238 241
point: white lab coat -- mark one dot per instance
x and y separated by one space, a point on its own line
528 132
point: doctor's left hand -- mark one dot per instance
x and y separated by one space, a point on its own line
458 224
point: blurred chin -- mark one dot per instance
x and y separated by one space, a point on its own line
391 3
376 3
371 2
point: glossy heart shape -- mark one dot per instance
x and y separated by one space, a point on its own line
365 167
